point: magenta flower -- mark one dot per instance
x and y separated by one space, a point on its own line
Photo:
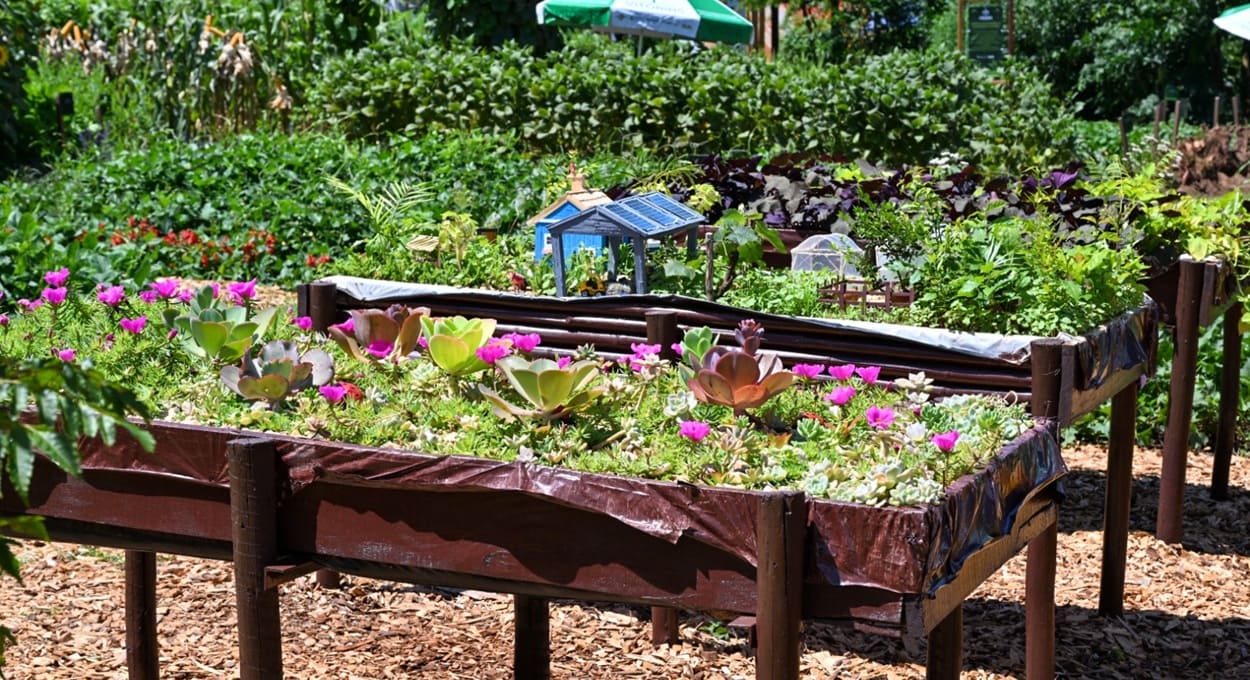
111 295
57 278
523 343
840 395
880 418
945 441
563 361
29 306
67 355
134 325
173 333
423 343
694 430
333 393
678 348
304 323
493 351
148 296
165 288
380 348
4 320
348 327
242 290
185 295
54 296
868 374
642 350
807 371
843 372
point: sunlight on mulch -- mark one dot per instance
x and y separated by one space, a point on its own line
1187 613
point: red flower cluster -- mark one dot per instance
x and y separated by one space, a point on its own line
317 260
255 243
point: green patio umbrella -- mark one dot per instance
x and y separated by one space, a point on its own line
1236 21
704 20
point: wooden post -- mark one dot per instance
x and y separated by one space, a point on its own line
1039 616
1176 122
780 534
662 330
1046 357
1230 402
1236 110
1215 117
254 518
142 648
329 579
946 647
1124 136
1118 500
531 655
665 626
1168 524
316 300
1160 111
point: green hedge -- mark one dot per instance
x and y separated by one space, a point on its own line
899 108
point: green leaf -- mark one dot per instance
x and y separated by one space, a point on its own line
209 336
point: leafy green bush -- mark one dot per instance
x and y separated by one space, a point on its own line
17 50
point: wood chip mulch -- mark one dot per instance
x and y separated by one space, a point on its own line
1187 613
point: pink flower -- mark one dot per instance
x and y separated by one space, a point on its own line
304 323
523 343
165 288
694 430
54 296
678 348
186 295
242 291
840 395
4 320
880 418
808 371
869 374
494 350
333 393
173 333
843 372
134 325
380 348
423 343
563 361
111 295
643 353
148 296
945 441
56 278
67 355
348 327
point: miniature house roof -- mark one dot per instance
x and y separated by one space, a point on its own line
578 197
650 215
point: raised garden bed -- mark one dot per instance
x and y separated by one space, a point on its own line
280 506
1063 378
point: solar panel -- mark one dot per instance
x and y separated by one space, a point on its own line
633 218
668 204
651 211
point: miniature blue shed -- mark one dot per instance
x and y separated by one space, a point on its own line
574 201
637 218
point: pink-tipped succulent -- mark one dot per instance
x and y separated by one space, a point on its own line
740 378
377 335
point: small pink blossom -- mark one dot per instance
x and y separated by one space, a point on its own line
241 291
333 393
493 351
111 295
54 296
67 355
843 372
4 320
380 348
868 374
564 361
807 371
945 441
694 430
348 327
57 278
840 395
108 340
148 296
24 304
186 295
678 348
523 342
880 418
165 288
304 323
423 343
135 325
173 333
642 350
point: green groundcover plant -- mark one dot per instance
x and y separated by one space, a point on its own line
724 414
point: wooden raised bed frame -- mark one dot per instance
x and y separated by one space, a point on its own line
279 507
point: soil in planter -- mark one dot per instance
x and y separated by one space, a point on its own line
1216 162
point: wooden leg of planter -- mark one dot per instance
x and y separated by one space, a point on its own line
142 650
1118 500
531 656
1169 523
946 647
1230 398
665 626
1039 617
781 533
253 513
1050 383
329 579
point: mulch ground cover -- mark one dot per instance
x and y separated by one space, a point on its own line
1187 613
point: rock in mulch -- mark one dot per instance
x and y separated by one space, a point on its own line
1187 613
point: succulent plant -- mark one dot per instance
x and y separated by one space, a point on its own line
377 335
740 378
553 392
278 372
454 342
212 329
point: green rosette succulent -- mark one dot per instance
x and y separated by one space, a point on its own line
453 342
554 393
278 372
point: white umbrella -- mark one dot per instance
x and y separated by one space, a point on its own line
1236 21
